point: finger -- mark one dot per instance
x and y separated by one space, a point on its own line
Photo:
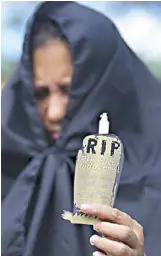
107 213
139 231
100 254
111 247
122 233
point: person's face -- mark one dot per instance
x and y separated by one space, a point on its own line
52 69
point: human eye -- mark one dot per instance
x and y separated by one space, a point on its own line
65 89
41 93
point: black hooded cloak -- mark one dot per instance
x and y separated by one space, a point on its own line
37 180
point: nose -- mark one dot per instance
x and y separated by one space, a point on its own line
56 109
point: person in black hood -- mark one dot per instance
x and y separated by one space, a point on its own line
74 66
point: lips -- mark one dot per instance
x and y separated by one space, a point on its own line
54 132
55 135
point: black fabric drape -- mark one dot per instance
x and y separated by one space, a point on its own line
37 181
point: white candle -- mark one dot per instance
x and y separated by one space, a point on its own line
103 124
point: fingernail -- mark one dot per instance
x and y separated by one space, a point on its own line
84 206
93 240
96 254
95 227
